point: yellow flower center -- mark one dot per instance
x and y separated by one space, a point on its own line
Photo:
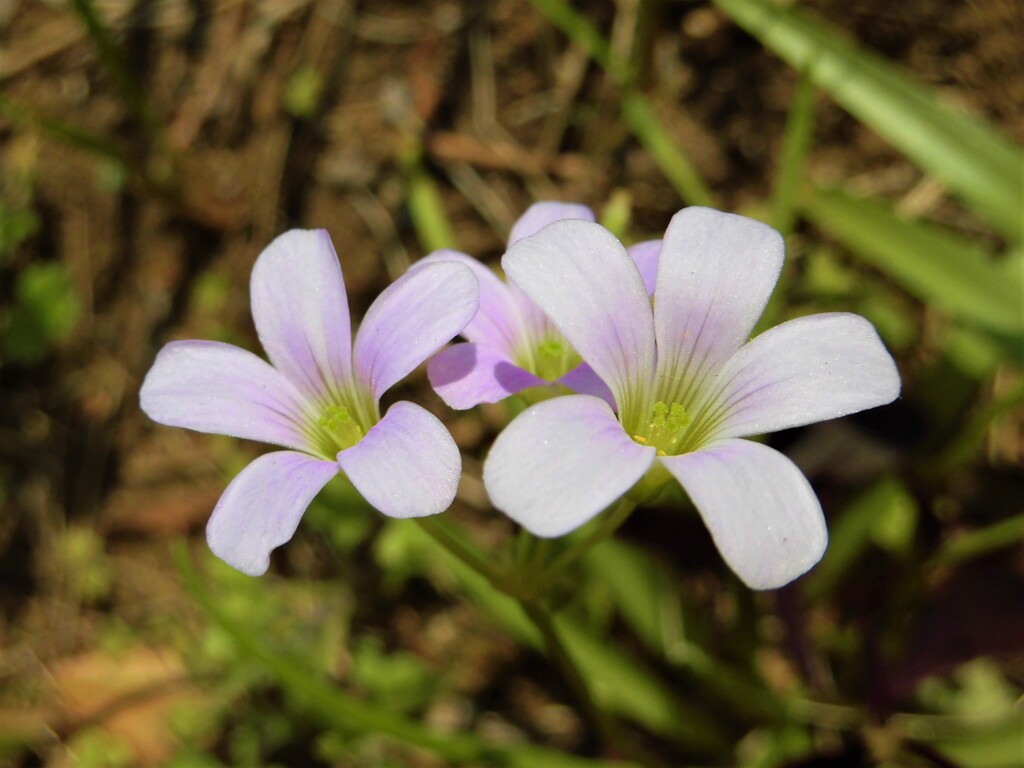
664 429
338 429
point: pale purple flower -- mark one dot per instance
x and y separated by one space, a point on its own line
511 344
320 395
688 385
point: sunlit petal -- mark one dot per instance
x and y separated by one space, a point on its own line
715 274
301 311
582 278
213 387
410 320
560 462
407 465
760 509
262 506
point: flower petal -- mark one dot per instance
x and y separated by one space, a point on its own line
582 278
407 465
560 462
645 256
219 388
539 215
262 506
583 381
465 375
410 320
497 322
760 509
715 274
301 311
806 370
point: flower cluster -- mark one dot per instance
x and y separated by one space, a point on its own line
639 363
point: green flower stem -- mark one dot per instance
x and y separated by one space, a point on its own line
608 728
607 526
530 556
454 543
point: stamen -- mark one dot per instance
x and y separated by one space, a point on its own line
665 428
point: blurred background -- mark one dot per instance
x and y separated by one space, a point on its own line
149 151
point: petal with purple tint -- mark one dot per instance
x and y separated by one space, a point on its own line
539 215
301 311
407 465
262 506
465 375
410 320
219 388
583 381
560 462
806 370
645 256
715 274
582 278
496 323
760 509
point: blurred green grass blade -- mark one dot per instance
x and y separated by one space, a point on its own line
650 603
676 166
620 684
636 110
938 267
334 707
426 208
795 144
967 546
885 515
965 153
111 54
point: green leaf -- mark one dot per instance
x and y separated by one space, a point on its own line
303 91
335 707
16 226
937 266
965 153
45 311
620 684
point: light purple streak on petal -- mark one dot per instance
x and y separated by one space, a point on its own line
497 322
539 215
410 320
760 509
806 370
583 381
219 388
407 465
715 274
582 278
561 462
645 256
301 311
465 375
261 508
